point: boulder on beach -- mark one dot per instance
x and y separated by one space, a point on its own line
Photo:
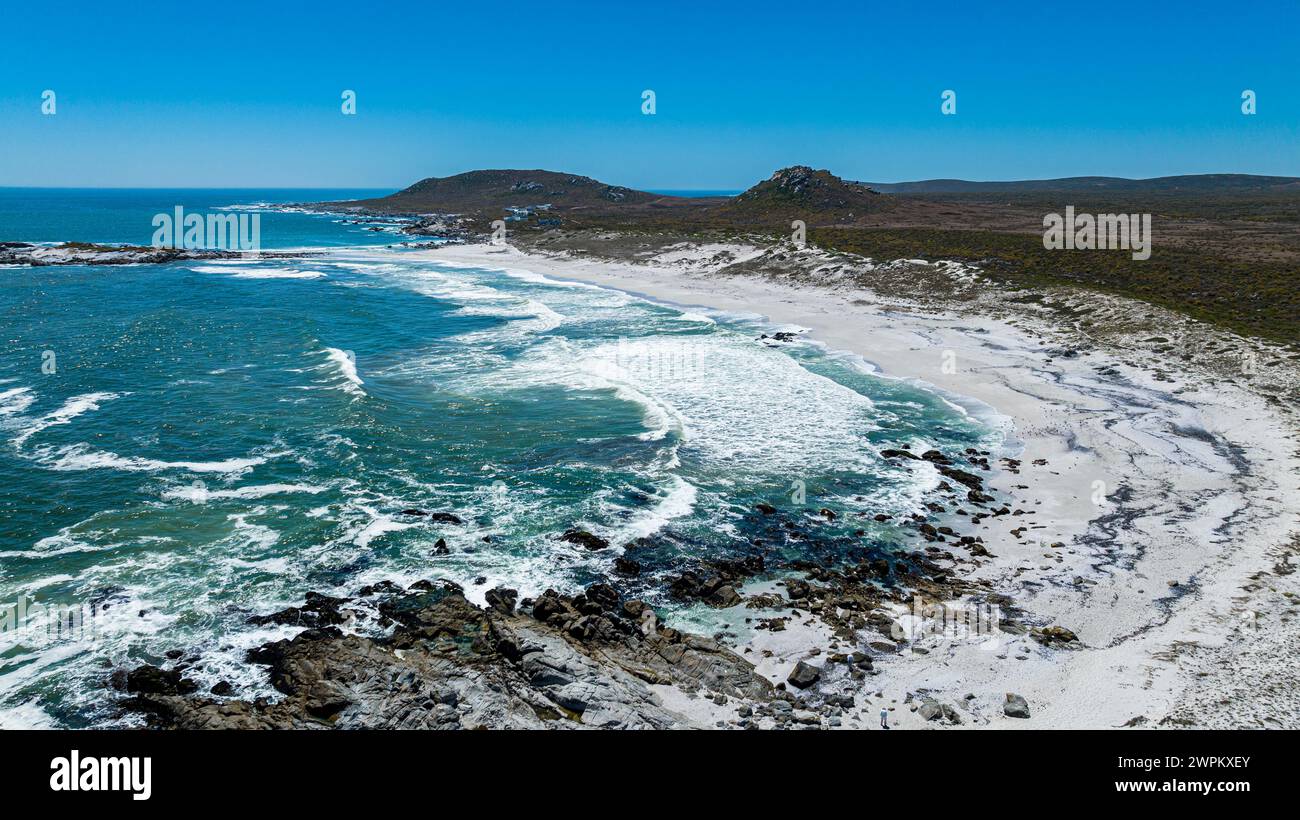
931 709
1015 707
1054 636
804 675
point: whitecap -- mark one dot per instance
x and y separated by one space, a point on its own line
16 400
377 526
536 278
280 274
347 367
73 407
83 457
696 317
253 535
200 494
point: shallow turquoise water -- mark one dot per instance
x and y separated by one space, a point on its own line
217 439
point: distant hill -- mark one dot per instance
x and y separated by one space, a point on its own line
490 192
1188 184
801 192
546 199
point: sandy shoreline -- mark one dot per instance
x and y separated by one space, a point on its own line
1177 583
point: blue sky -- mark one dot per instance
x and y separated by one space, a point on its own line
228 94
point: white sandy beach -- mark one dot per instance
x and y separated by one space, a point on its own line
1178 583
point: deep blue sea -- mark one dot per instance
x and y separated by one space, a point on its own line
184 445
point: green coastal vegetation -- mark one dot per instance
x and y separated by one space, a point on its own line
1250 296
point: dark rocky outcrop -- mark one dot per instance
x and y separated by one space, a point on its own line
502 600
1054 636
83 253
584 539
582 661
317 611
715 583
151 680
627 566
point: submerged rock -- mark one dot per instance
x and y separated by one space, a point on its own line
627 566
584 539
151 680
318 610
715 583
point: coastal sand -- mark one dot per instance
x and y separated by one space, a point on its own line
1178 583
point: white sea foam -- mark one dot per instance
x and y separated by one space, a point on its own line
61 543
528 315
982 412
83 457
256 536
696 317
44 582
738 405
364 523
365 267
542 279
660 417
543 317
377 526
200 494
38 648
267 273
73 407
16 400
678 502
280 274
26 715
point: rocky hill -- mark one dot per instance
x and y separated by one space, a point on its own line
799 192
490 193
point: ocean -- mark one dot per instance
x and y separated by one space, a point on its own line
188 444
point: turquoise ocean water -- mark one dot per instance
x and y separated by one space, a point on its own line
216 439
